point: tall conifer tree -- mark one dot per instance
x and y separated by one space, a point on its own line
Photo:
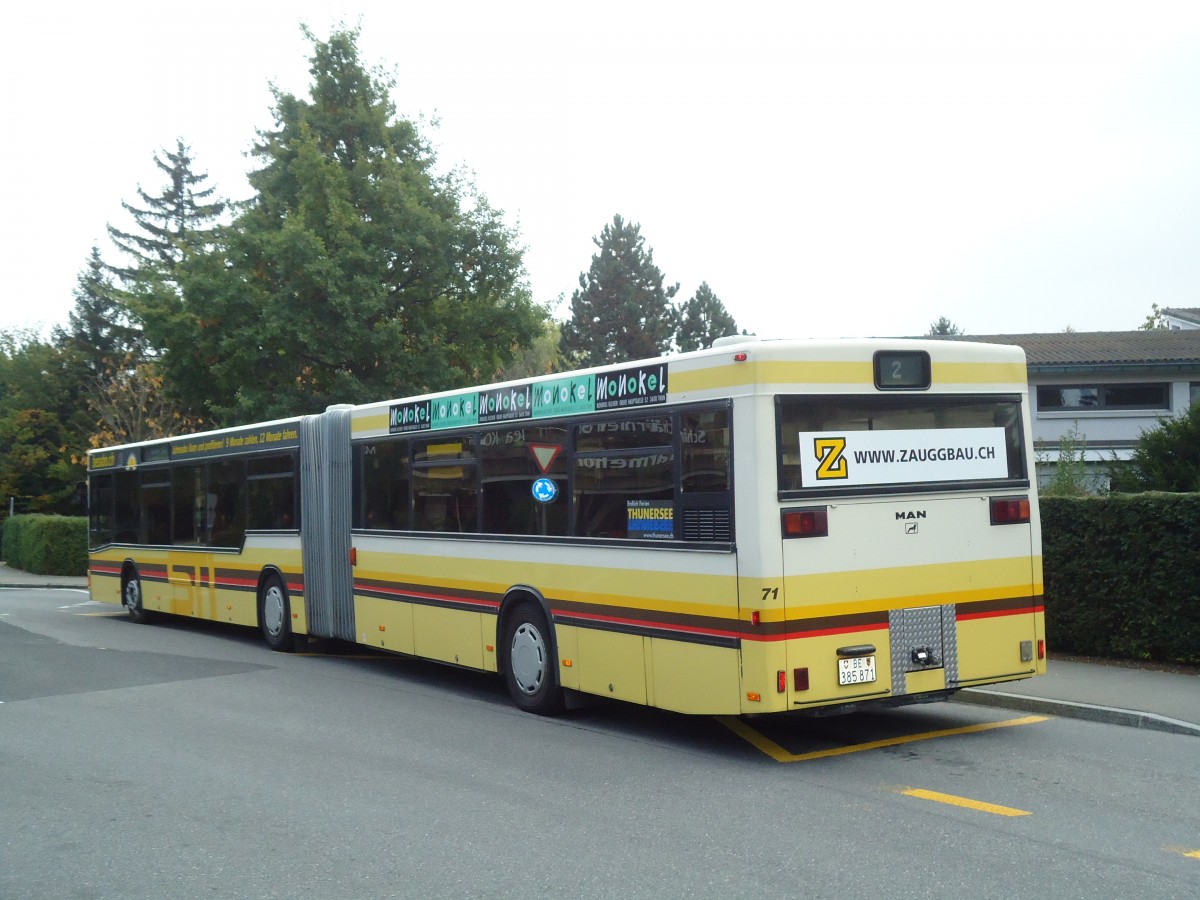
702 320
98 330
621 310
169 225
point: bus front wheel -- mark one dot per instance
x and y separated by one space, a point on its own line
131 597
275 614
530 671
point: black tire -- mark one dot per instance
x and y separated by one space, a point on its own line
131 598
530 669
275 614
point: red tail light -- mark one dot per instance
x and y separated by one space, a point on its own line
800 677
812 521
1010 510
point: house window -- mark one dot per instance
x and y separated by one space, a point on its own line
1074 397
1194 396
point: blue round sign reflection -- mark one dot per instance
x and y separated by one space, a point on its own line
544 490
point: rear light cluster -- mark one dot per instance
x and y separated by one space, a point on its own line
813 521
810 521
1010 510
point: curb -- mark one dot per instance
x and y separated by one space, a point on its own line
1108 715
49 585
43 585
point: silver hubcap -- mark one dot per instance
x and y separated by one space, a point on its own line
273 610
133 595
528 658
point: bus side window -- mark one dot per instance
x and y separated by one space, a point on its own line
189 492
271 491
704 439
100 509
381 493
623 467
227 514
126 509
705 505
445 485
512 459
155 508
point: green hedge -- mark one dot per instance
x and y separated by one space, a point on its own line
46 545
1122 576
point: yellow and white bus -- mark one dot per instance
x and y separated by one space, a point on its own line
763 526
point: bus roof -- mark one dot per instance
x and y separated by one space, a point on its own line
734 365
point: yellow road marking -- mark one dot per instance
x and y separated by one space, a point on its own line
1184 851
779 754
964 802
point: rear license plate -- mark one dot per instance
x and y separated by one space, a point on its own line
856 670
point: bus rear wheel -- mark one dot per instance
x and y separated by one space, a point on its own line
275 614
131 597
529 670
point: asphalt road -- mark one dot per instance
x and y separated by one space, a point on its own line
184 759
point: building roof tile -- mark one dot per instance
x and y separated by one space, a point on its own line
1186 314
1159 348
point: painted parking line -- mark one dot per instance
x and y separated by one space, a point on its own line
1184 851
964 802
780 754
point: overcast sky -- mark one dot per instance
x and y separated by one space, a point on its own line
829 168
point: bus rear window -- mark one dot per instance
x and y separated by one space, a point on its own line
860 444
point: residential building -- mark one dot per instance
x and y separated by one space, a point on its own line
1096 392
1181 319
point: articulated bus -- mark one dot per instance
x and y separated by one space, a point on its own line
759 527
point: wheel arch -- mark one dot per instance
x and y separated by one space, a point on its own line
267 572
282 640
513 597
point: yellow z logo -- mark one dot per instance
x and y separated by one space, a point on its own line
830 461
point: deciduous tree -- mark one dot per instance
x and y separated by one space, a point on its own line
128 402
38 387
1154 321
944 326
356 272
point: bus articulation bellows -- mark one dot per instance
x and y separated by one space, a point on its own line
763 526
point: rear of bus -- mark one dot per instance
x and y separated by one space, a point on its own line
911 550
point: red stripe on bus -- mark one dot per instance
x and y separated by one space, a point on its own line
360 588
646 623
994 614
815 632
